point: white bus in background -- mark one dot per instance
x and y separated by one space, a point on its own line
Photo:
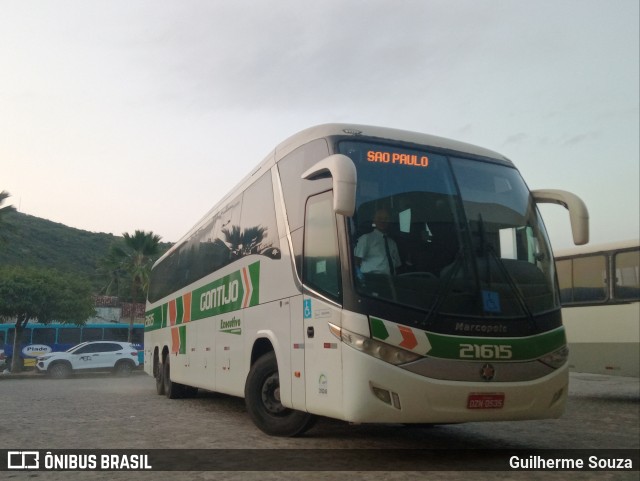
265 299
600 295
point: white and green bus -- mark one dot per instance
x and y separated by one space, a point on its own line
272 296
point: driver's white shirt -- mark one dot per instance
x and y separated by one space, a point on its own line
370 248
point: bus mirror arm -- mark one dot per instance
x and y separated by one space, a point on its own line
343 173
578 213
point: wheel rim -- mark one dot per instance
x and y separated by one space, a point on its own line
59 370
124 368
271 395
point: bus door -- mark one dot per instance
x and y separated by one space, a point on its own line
322 281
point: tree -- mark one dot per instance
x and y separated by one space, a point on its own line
131 261
112 270
29 294
4 210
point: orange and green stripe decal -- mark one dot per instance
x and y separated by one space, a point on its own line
179 340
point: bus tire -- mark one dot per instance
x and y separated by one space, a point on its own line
262 398
60 370
159 376
172 390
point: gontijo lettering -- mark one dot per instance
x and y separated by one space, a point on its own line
220 295
398 158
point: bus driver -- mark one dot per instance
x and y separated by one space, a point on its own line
376 252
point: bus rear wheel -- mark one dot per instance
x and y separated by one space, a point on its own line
172 390
159 376
262 398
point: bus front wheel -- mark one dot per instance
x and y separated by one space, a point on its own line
262 398
172 390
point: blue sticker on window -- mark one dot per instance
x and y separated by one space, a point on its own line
491 301
307 308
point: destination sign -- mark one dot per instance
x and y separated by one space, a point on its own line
410 160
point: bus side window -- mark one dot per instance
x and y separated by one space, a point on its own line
321 267
92 334
69 335
138 335
45 335
24 339
116 334
583 279
563 268
627 267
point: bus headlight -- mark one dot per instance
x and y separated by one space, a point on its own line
380 350
557 358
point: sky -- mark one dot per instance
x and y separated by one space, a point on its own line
120 116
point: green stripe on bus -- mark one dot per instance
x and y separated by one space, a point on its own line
470 347
183 339
378 329
494 348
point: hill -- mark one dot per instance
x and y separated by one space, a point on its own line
30 241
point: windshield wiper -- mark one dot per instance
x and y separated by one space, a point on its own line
444 287
510 281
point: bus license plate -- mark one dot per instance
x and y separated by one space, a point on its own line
485 401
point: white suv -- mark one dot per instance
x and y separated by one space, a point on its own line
119 357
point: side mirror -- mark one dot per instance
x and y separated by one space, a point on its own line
343 172
578 213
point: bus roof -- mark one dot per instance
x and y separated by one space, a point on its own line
595 248
382 133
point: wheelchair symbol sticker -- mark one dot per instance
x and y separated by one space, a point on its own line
307 308
491 301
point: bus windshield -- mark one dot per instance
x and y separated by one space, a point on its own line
447 235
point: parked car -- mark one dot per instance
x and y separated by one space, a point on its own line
118 357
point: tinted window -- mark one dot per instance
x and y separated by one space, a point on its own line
46 335
24 339
258 232
85 349
91 334
108 347
589 279
116 334
100 347
583 279
450 236
563 268
295 189
69 335
627 286
321 268
245 226
138 336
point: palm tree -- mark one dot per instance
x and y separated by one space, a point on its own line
111 268
132 262
4 195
